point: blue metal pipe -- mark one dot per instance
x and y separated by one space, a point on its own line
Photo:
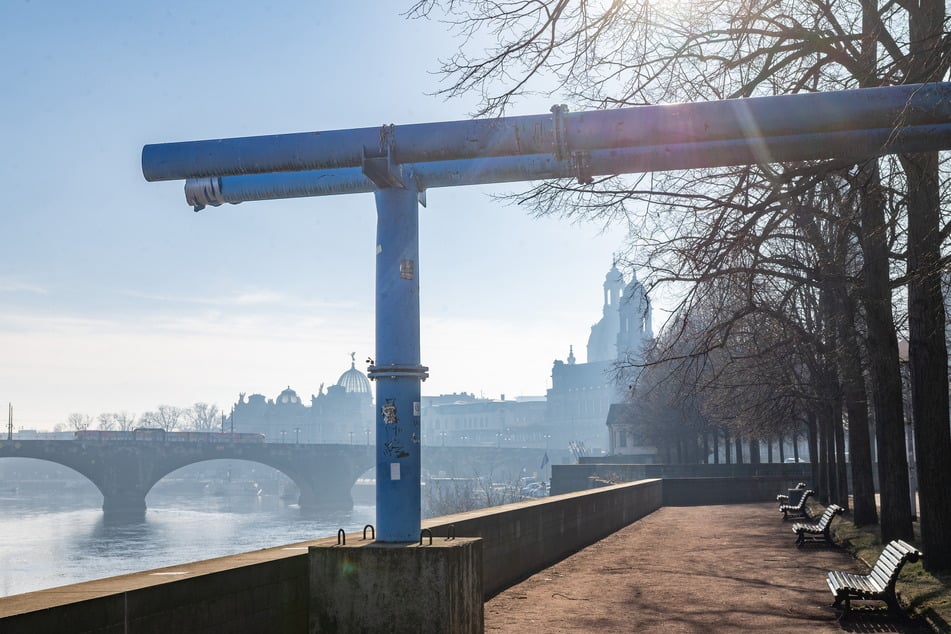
852 145
396 369
850 124
560 133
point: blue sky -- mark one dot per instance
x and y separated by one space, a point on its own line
116 296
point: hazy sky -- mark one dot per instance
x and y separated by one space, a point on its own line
116 296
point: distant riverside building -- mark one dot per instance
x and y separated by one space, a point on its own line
581 394
573 414
342 414
627 434
466 420
573 417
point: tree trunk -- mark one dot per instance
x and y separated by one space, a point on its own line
813 435
928 359
841 468
882 344
927 352
754 450
864 511
827 483
848 355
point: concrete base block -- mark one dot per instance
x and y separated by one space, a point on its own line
369 586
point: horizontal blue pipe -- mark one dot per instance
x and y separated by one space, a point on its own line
785 115
853 145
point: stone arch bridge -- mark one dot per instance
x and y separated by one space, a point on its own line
125 471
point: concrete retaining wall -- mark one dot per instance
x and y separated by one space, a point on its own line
702 491
591 474
521 539
268 590
261 591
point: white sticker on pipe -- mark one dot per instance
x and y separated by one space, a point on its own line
394 471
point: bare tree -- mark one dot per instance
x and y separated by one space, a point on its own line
78 422
203 417
107 421
608 54
445 496
168 417
928 59
124 420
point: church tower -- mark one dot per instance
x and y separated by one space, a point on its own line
634 330
602 343
581 394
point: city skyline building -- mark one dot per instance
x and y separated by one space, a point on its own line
343 413
571 417
582 393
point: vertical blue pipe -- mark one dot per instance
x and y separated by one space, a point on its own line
396 369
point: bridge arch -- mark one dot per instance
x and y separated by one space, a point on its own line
40 474
125 471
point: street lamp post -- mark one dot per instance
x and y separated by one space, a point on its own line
282 436
297 430
351 437
367 432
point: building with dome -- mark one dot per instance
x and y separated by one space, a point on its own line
581 394
343 413
574 413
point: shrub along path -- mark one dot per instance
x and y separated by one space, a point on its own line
732 568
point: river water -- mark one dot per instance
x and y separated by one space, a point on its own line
55 535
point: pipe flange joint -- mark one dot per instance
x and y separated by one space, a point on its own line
200 192
559 134
581 165
395 371
379 165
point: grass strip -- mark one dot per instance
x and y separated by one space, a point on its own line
924 594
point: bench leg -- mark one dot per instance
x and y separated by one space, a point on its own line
845 604
893 605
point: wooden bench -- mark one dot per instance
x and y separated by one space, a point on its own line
878 585
796 511
783 498
818 531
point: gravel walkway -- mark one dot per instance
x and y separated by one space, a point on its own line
730 568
